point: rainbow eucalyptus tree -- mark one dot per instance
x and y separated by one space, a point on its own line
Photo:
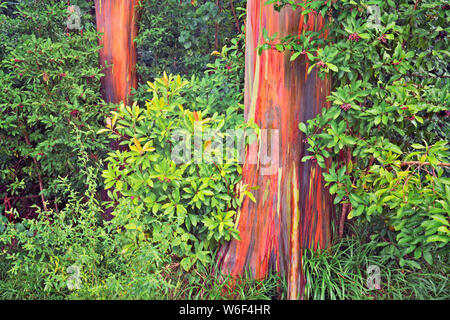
292 209
117 20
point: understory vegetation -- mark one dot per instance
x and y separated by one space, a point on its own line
157 237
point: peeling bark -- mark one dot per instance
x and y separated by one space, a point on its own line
293 210
117 20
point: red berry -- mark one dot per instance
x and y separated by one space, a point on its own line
354 37
346 106
321 64
382 39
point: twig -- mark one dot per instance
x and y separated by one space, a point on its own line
346 207
216 35
236 20
23 197
418 163
56 206
36 164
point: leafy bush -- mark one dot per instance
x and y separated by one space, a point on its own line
387 128
74 253
184 204
39 251
221 88
178 36
49 79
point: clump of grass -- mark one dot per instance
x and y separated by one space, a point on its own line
212 284
340 273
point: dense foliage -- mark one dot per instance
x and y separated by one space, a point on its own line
178 36
52 111
386 134
174 187
387 130
50 85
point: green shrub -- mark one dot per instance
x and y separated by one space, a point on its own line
74 253
178 36
38 252
49 80
184 200
386 130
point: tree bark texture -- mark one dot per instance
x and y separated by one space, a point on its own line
293 210
117 20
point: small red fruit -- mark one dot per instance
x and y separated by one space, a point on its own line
321 64
354 37
346 106
382 39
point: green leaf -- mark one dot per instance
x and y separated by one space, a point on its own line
295 55
250 195
332 67
280 48
436 238
186 263
302 127
440 219
130 226
428 257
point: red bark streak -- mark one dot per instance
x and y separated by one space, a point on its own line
117 21
292 211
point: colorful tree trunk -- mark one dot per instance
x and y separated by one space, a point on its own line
292 210
116 19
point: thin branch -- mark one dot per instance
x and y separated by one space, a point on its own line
418 163
36 164
236 20
346 208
